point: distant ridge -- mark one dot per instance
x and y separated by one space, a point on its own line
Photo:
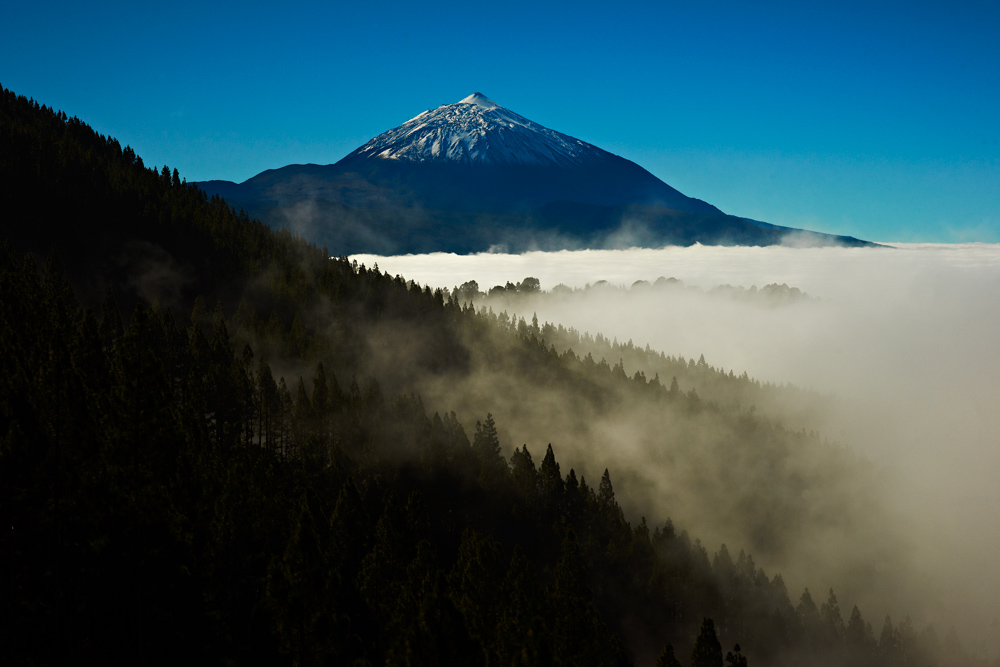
473 175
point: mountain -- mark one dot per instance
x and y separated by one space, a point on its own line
479 131
167 492
471 176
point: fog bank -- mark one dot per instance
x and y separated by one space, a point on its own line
905 337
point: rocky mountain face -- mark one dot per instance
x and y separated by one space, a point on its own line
471 176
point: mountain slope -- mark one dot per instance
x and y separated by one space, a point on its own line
165 494
478 130
490 178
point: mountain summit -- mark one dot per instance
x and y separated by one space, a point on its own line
478 130
477 155
473 175
479 100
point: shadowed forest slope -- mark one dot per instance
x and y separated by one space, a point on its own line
216 438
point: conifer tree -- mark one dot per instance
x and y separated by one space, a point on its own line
832 620
809 620
707 650
524 475
551 479
493 470
667 657
552 488
735 658
889 649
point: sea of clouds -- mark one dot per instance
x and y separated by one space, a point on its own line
908 335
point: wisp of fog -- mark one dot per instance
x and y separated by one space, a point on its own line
904 339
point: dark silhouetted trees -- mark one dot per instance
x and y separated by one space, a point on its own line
241 488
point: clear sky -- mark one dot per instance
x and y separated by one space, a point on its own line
874 120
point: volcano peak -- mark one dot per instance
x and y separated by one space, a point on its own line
480 100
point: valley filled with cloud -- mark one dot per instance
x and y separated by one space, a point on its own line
897 345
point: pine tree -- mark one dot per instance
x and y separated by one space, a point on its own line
735 658
525 476
551 488
493 470
667 657
833 622
707 649
809 621
889 649
486 444
857 633
606 493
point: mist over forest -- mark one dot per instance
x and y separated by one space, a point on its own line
892 356
217 439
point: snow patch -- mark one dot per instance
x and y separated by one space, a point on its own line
479 130
480 101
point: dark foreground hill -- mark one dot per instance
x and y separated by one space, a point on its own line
472 176
254 486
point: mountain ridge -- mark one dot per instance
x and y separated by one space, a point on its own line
477 157
477 129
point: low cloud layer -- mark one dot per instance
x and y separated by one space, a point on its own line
905 338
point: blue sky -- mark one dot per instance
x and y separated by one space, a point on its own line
875 120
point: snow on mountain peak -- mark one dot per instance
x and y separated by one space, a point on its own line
478 130
480 100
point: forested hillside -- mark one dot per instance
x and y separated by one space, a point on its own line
795 407
217 441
